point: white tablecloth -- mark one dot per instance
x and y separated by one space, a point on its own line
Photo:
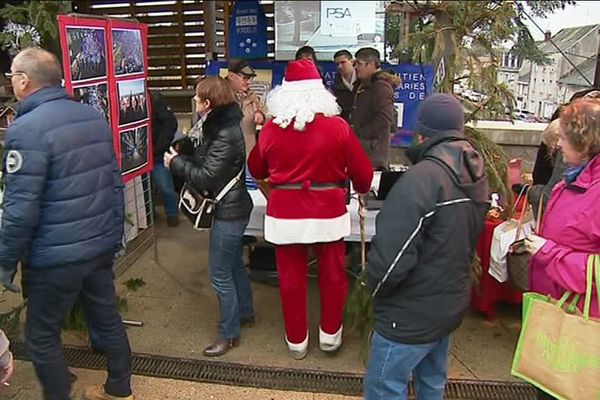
256 224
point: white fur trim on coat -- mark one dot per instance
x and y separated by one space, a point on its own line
306 231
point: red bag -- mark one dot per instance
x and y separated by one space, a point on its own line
514 172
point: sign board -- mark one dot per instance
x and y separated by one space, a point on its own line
247 31
105 66
417 84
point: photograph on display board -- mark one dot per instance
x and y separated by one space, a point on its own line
134 149
87 52
132 101
96 96
128 55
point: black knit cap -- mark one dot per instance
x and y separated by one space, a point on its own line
440 115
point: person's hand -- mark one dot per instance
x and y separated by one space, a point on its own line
259 118
533 243
7 275
169 155
6 373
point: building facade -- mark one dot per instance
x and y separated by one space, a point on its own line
553 84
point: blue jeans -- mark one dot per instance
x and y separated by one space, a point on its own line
391 364
228 275
164 182
52 292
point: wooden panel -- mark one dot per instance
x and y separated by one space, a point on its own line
174 50
169 40
166 40
174 30
164 82
138 9
161 19
163 30
174 61
157 19
171 82
164 61
269 8
174 71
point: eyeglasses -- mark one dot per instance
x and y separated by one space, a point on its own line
246 78
9 75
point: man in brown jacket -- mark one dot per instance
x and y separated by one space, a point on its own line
240 75
373 116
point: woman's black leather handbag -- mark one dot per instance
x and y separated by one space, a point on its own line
199 208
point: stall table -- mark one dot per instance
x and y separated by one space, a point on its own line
490 290
256 223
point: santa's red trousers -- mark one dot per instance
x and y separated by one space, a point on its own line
292 268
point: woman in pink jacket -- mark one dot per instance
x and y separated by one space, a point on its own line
570 229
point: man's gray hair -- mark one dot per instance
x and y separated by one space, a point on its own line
40 66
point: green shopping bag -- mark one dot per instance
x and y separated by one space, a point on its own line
559 347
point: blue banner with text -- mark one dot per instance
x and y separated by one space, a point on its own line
417 83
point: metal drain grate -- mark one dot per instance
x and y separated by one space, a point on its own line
278 378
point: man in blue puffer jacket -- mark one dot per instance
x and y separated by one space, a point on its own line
64 215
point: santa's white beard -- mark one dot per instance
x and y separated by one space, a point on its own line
299 104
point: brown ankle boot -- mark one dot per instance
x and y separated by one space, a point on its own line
221 346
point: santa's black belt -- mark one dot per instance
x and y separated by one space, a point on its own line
311 185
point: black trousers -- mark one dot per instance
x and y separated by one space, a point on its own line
52 292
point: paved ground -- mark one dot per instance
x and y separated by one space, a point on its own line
179 311
24 386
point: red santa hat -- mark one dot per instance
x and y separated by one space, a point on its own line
302 74
300 96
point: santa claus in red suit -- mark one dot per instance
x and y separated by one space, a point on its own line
307 153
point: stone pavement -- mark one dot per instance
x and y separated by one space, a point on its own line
179 311
24 386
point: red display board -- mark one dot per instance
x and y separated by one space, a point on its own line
105 66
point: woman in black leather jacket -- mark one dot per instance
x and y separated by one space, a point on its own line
218 156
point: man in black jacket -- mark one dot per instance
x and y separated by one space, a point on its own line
345 82
164 126
420 256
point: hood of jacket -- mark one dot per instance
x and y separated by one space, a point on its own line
393 80
465 165
222 117
41 96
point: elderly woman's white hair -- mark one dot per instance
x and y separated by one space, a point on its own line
550 134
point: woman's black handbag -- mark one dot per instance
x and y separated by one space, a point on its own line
200 209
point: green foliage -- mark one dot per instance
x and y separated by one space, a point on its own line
75 321
9 322
496 162
134 284
359 314
478 29
40 15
